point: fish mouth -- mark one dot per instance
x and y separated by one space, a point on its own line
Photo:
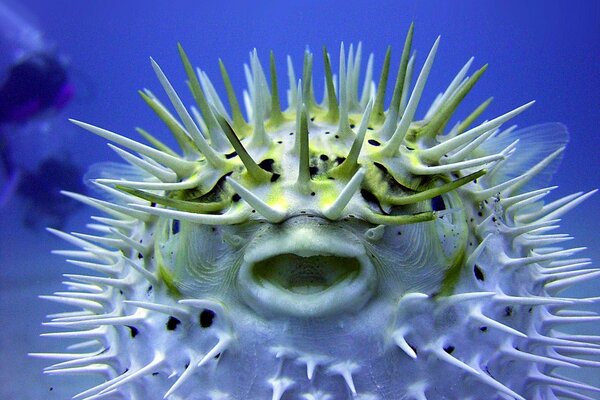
306 268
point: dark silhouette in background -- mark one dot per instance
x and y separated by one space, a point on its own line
34 86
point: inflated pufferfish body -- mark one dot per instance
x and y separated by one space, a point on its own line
328 251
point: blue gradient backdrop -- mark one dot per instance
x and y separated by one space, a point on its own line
543 50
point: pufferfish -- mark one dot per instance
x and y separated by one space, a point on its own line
332 250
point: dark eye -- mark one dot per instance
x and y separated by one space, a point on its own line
437 203
175 226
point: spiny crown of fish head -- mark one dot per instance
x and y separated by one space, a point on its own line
293 202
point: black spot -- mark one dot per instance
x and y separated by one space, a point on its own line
508 310
279 142
410 148
235 198
370 198
274 177
480 214
125 371
370 128
51 388
313 171
152 204
172 323
206 318
336 136
253 211
399 233
494 219
175 227
213 229
483 329
149 290
437 203
312 119
312 193
230 155
121 292
478 273
340 160
380 167
133 331
449 349
267 164
352 126
140 256
186 366
324 157
155 373
217 356
373 142
291 133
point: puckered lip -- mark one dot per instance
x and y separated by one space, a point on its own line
306 272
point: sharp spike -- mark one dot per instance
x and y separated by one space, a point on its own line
180 166
391 118
480 318
85 304
366 90
456 83
464 125
345 369
334 211
219 348
303 153
333 111
436 191
401 342
256 172
407 81
378 115
271 214
344 123
437 152
214 158
447 108
179 312
130 376
190 183
350 165
239 123
292 93
192 366
216 135
391 147
164 175
466 150
280 385
114 210
102 268
533 171
231 217
546 214
446 357
384 219
181 205
421 169
185 142
276 115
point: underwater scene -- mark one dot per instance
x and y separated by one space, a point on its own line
299 200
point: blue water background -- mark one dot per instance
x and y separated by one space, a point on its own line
543 50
